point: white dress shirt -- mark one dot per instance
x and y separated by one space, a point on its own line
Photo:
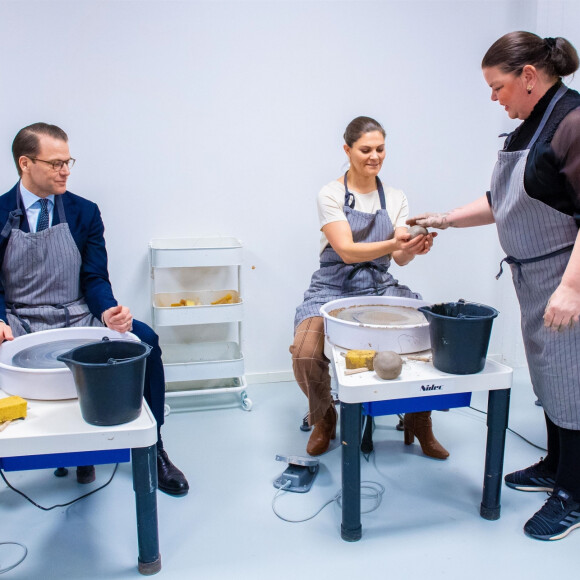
32 207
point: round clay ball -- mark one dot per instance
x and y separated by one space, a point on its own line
387 364
415 231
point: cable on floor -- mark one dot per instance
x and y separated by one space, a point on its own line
367 455
376 493
12 566
57 505
514 432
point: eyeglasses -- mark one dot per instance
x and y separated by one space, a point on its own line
56 165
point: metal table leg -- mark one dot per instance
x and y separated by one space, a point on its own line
144 463
497 422
350 433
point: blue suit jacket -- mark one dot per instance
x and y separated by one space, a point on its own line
87 229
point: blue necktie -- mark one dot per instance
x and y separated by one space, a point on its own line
42 222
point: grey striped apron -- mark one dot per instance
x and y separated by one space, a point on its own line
538 241
335 279
40 276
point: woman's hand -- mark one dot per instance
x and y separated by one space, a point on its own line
407 249
427 243
476 213
430 220
563 308
118 318
5 332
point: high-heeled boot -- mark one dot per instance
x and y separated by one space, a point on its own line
323 431
420 424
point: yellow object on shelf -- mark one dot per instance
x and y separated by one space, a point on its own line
356 359
227 299
12 408
184 302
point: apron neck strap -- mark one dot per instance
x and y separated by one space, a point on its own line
349 197
60 209
559 94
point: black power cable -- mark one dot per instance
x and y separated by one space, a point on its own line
57 505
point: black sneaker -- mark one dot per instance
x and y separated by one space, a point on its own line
557 518
537 477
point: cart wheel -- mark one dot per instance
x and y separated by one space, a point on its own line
246 403
166 410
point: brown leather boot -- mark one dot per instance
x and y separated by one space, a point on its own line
420 424
322 433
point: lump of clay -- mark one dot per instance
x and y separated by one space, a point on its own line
388 364
415 231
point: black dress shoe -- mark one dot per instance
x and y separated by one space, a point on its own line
86 473
170 479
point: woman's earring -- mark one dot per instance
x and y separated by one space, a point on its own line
530 90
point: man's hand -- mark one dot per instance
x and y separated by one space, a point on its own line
5 332
118 318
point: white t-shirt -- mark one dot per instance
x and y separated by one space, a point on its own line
331 204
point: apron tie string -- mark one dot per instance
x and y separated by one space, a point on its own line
13 310
23 322
511 260
375 269
66 314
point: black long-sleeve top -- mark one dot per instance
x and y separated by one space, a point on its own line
552 173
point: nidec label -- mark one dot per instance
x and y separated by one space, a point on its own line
431 387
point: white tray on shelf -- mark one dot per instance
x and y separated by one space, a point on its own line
195 252
202 361
204 313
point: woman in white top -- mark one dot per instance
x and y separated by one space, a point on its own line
363 227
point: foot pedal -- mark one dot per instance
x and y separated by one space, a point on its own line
301 472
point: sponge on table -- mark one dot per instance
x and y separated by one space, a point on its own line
12 408
356 359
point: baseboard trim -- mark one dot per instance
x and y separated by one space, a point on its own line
275 377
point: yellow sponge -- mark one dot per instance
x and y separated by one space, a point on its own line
12 408
356 359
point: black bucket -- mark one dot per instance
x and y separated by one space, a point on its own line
109 377
460 333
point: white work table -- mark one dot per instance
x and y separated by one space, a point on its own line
55 431
417 380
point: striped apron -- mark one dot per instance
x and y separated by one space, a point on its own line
538 241
335 279
41 276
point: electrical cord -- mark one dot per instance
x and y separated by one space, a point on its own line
514 432
57 505
12 566
367 455
376 493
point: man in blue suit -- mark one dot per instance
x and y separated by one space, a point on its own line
53 269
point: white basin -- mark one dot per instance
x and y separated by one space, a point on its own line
46 384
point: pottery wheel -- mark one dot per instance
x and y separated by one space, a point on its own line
383 315
43 356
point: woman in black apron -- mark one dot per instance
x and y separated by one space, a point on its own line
535 202
363 226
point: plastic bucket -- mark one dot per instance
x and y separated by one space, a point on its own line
109 377
460 333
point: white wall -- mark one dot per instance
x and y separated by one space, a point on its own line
225 118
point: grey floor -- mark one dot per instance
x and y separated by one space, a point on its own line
427 525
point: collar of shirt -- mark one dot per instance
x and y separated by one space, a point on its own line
32 207
29 198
